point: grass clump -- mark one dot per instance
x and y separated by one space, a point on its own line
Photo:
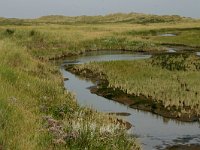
9 32
180 62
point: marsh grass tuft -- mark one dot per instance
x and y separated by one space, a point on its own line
9 32
184 62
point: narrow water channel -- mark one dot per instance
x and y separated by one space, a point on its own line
153 131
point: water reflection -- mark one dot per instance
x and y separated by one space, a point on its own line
171 50
168 34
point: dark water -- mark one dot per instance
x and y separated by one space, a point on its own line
153 131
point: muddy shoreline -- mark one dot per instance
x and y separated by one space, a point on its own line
137 102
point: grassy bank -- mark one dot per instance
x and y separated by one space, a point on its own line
37 113
166 79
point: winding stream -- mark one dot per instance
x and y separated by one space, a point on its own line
153 131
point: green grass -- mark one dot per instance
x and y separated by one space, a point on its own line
188 37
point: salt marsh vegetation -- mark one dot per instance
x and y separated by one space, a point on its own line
167 78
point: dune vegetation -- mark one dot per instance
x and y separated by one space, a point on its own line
37 113
111 18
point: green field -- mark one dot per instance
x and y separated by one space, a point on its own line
37 113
